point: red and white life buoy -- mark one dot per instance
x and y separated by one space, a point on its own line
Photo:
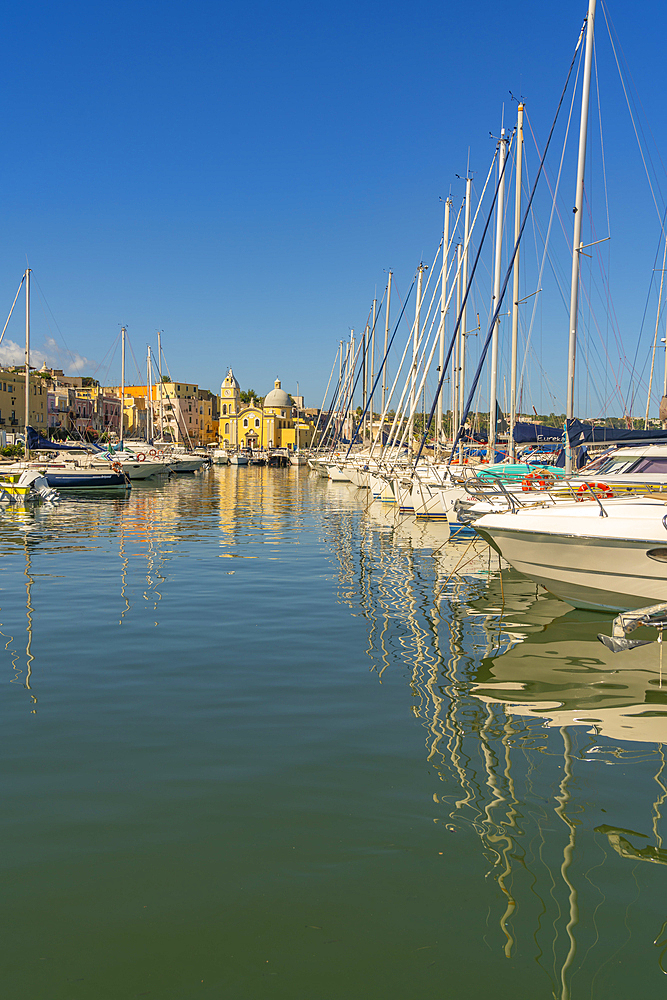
589 491
141 457
152 453
541 479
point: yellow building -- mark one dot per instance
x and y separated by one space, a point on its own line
12 401
188 414
255 425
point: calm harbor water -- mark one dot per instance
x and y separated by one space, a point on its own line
262 742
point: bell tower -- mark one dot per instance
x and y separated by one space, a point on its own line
230 395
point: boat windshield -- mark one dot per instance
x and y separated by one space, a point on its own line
616 465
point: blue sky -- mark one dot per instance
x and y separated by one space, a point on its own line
241 176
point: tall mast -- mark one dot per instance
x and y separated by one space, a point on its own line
578 218
372 381
122 383
460 340
26 450
500 210
415 341
464 283
386 343
515 278
159 366
149 390
364 379
441 345
655 335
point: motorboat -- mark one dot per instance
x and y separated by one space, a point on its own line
609 554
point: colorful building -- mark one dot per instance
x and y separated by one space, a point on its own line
12 401
271 424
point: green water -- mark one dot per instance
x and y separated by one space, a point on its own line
261 742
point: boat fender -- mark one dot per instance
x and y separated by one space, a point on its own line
141 457
603 491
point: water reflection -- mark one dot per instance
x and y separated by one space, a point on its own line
544 750
548 747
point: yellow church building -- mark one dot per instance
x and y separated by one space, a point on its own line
272 424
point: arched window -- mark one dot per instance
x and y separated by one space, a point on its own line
224 409
256 421
245 421
226 428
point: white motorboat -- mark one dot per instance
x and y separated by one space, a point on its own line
238 459
220 456
610 554
184 462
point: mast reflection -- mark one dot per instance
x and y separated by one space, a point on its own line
519 700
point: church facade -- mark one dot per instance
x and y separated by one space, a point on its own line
273 424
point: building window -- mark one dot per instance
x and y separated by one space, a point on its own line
245 421
256 421
226 428
224 409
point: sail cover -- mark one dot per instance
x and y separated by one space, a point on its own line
532 433
36 442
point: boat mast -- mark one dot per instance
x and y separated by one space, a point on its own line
500 211
441 345
364 380
655 335
26 450
578 218
372 370
386 342
463 283
159 367
149 389
415 341
122 384
515 278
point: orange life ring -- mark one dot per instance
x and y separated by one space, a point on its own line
116 467
141 457
152 453
589 491
538 480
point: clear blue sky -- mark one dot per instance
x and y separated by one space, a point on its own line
240 176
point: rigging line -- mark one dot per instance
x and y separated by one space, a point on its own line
650 286
632 118
12 309
466 295
554 197
55 321
129 344
604 160
511 263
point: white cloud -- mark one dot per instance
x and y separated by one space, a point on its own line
51 352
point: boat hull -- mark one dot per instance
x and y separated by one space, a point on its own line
596 565
86 480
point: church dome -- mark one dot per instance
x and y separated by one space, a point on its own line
277 396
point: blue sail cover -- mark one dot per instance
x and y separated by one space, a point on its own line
38 443
534 433
581 433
